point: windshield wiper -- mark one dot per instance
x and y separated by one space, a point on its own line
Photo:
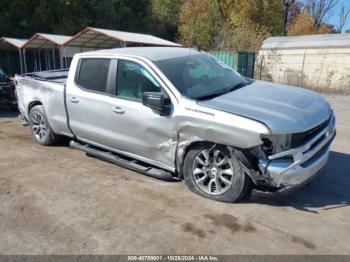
222 91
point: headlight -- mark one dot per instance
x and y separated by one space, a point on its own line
273 144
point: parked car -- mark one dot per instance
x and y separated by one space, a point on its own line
7 91
177 113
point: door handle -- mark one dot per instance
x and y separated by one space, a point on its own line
74 100
118 110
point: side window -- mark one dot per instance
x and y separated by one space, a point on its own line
93 74
133 79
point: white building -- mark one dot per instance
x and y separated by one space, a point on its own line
320 62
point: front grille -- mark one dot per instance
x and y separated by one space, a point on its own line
317 155
299 139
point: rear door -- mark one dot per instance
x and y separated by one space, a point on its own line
87 101
138 129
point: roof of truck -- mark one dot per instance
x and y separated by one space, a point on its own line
152 53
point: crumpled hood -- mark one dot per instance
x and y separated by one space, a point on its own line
284 109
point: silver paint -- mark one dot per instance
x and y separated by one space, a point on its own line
284 109
237 119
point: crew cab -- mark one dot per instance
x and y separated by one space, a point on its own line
178 113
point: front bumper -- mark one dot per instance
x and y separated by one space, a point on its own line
291 169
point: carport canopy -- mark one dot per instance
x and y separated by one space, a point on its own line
98 38
8 44
11 43
40 40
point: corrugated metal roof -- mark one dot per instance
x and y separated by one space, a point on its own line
40 40
102 38
308 41
5 42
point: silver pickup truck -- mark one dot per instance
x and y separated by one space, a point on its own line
177 113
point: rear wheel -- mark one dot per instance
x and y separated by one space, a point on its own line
40 127
215 173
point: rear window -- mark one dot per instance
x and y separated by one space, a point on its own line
93 74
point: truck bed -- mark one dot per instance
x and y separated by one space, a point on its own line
56 76
44 88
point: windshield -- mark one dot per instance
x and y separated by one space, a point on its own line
200 76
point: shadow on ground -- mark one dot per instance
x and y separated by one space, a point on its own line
329 190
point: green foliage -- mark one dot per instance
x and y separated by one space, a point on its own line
199 23
229 24
23 18
208 24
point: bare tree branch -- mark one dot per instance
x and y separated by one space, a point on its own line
318 9
343 16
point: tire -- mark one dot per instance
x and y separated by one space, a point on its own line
40 128
215 173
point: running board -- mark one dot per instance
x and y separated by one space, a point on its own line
130 164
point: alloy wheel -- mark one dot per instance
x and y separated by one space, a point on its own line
213 171
39 126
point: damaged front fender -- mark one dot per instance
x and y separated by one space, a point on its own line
199 124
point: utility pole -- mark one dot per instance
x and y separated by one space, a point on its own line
286 5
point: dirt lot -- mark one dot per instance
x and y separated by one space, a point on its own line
54 200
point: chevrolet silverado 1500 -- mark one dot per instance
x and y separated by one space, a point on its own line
177 113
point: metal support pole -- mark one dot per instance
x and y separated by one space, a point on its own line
20 59
48 59
53 58
39 59
261 65
25 61
35 61
8 62
45 58
61 51
48 65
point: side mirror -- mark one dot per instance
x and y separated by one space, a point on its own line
157 101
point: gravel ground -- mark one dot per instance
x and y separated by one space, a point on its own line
54 200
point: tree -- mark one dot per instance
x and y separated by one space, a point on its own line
318 9
248 22
287 5
305 25
165 14
246 36
199 22
344 12
294 10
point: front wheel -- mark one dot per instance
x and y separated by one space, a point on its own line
215 173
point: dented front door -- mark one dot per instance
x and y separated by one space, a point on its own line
138 129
